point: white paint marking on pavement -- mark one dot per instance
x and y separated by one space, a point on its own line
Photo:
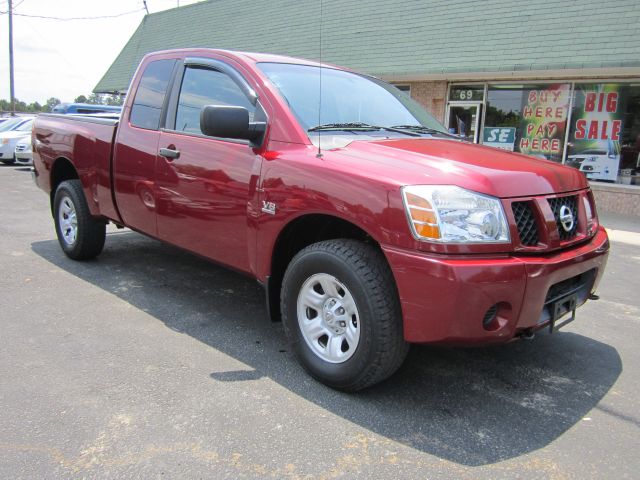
622 236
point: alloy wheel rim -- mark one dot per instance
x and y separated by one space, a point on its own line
328 318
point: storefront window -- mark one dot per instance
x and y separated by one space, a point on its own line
531 119
604 140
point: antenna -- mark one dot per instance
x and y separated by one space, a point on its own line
319 154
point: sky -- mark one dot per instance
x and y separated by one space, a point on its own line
66 58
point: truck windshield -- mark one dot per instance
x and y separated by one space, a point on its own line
350 101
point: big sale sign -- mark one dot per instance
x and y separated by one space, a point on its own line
597 126
596 130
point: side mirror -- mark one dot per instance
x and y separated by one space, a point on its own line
230 122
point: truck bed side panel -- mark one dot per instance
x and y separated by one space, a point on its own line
87 143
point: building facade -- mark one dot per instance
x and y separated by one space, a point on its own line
592 124
554 79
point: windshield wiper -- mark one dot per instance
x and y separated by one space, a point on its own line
359 126
423 129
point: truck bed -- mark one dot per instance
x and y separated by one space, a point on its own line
86 141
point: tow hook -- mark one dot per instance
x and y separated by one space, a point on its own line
593 296
527 335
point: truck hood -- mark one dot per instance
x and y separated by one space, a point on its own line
448 162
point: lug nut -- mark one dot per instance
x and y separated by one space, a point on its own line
341 311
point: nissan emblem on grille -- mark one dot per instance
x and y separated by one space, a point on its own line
566 218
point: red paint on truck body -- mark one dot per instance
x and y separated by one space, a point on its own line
209 202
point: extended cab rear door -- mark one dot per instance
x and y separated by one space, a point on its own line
136 147
204 185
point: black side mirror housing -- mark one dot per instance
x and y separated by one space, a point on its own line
231 122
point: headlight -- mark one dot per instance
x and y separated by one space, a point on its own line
449 214
589 210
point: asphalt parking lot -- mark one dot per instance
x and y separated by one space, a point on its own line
150 363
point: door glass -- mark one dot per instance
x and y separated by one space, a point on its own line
463 121
202 87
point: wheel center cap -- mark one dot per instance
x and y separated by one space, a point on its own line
329 308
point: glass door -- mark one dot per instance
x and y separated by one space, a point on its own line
464 119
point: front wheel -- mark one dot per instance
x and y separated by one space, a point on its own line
341 313
80 235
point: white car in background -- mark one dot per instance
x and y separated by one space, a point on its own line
10 138
23 153
598 164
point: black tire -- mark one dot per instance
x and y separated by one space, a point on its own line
91 232
364 271
8 161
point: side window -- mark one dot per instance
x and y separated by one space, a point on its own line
202 87
147 104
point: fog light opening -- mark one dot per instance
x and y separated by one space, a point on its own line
496 317
490 316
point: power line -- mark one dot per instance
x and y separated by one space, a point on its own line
66 19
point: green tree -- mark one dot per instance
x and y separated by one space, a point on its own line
52 102
95 99
34 107
114 99
80 99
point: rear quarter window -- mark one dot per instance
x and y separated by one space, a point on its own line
152 89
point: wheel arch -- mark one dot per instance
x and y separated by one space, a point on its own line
61 169
299 233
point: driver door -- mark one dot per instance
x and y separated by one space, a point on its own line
204 184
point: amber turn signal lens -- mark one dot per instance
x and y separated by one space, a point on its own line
427 231
423 216
416 201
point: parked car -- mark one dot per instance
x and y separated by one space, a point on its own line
368 224
23 153
11 123
85 108
10 138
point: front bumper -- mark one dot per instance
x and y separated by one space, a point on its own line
24 158
445 299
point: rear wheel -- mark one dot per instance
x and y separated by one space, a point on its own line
80 235
341 314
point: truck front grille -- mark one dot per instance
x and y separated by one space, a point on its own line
549 222
526 223
557 205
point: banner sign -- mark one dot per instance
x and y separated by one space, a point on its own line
543 123
594 146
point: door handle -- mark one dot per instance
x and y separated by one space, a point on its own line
169 154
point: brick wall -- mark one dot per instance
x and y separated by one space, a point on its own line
617 198
431 95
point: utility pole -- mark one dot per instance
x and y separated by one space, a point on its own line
13 97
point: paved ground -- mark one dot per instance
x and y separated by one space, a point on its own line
150 363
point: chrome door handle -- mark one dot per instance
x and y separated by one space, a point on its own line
169 154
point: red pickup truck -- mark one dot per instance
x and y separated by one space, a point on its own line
368 224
